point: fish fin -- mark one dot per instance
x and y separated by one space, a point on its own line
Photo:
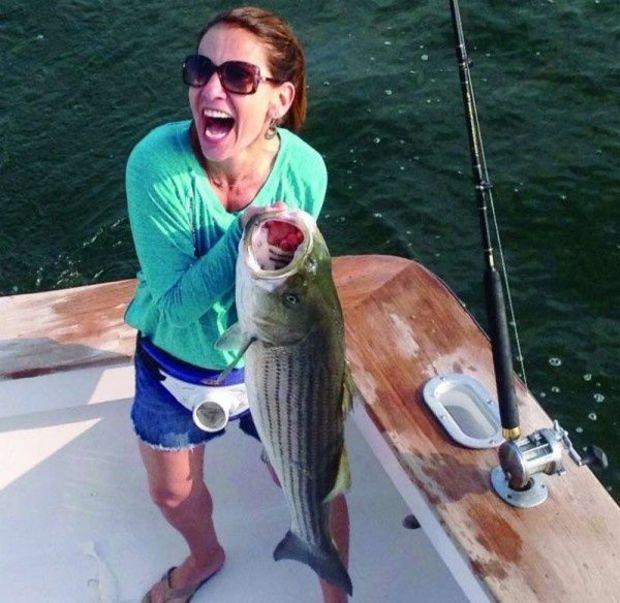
347 391
233 338
343 479
326 563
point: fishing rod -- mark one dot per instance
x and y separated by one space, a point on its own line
518 478
495 305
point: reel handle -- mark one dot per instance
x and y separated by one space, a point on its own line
595 456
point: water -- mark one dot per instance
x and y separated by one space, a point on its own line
83 80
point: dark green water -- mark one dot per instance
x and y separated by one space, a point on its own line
83 80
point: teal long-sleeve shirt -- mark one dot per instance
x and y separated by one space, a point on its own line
187 243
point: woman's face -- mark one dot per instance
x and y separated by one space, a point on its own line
225 139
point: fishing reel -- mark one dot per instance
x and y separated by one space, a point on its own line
519 481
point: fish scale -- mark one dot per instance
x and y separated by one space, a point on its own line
286 447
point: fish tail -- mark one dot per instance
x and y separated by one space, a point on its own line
326 564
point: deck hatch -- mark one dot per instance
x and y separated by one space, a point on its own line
465 408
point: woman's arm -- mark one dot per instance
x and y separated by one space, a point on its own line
313 180
182 286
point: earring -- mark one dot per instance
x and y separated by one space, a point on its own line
272 129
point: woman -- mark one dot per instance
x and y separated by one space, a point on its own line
191 188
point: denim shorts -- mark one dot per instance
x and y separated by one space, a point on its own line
159 420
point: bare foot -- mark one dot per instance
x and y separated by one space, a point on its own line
189 573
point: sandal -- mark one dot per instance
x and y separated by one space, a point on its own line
184 593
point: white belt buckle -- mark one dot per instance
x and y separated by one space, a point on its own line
211 406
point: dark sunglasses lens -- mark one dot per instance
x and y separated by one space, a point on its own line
239 77
197 70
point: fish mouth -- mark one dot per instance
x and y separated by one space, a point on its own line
276 244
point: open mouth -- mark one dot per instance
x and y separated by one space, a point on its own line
274 244
217 124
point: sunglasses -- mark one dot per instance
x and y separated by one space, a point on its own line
237 77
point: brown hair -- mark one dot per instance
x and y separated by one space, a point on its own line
285 54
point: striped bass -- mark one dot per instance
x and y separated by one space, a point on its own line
291 325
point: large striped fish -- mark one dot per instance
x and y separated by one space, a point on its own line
298 386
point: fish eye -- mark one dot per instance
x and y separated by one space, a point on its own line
290 299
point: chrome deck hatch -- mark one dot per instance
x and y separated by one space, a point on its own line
465 409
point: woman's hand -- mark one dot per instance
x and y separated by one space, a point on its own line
253 210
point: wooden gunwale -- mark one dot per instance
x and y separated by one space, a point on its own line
403 326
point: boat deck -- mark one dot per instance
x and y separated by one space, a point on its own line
78 526
72 481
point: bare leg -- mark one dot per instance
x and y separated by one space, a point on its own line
339 529
177 487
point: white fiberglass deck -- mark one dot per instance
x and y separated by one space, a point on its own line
77 524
